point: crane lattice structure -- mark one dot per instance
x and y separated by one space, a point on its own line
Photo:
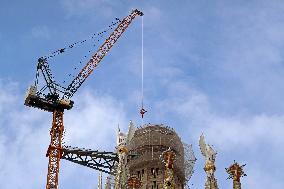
58 99
102 161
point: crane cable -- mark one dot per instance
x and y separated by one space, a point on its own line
99 34
95 37
142 110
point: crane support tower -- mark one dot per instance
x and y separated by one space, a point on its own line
58 98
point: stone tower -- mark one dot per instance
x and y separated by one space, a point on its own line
210 155
235 172
146 147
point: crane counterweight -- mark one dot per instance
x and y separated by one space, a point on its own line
49 103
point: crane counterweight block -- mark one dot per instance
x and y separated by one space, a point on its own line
47 104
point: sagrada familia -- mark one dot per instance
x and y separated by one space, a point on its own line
154 157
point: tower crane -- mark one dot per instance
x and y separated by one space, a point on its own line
58 99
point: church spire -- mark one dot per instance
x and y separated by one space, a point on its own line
235 172
210 156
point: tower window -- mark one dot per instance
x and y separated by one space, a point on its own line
155 184
153 172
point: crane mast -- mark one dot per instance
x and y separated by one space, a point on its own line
53 103
55 150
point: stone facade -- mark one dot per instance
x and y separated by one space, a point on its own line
211 183
146 146
236 184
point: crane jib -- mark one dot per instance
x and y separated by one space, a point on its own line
99 55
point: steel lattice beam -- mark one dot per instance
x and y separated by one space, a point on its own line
102 161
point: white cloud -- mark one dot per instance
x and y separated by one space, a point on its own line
246 132
193 107
24 138
245 137
95 120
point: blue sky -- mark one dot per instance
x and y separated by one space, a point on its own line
212 67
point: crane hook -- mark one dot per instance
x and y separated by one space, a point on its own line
142 112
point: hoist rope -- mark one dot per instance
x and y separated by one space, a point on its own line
99 34
142 65
95 37
142 110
